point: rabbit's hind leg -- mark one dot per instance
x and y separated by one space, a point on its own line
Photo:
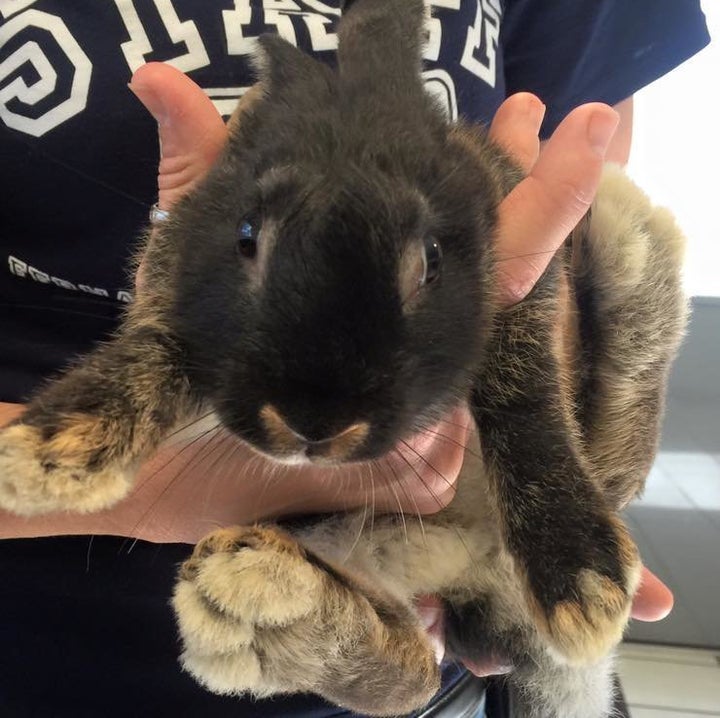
627 259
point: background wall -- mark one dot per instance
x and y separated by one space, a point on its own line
676 153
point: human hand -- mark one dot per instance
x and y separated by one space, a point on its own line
205 478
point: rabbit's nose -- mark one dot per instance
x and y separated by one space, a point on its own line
331 449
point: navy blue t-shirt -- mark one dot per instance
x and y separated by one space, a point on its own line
90 633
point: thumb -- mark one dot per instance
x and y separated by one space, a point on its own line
538 215
653 600
192 132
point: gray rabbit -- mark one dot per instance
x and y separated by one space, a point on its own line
329 290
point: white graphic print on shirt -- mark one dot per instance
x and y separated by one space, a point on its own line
22 269
487 28
32 54
183 33
29 72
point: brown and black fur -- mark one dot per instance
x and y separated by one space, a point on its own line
322 347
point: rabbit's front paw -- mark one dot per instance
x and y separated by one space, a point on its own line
590 608
63 471
259 614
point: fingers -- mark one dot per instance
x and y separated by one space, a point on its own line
653 600
192 132
538 215
516 126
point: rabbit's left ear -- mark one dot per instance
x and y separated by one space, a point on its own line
382 39
285 70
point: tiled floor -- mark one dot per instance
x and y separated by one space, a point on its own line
677 526
662 682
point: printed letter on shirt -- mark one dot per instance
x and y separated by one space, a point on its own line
483 34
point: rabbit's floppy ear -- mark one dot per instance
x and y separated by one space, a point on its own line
283 69
382 39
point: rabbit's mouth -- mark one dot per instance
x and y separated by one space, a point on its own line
425 464
290 446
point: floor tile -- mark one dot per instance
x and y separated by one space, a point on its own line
670 685
703 491
695 475
670 654
644 712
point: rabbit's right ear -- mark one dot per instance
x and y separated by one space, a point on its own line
284 70
382 39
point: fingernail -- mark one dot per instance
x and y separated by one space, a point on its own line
600 130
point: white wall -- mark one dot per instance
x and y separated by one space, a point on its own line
676 154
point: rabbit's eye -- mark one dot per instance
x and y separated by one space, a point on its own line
432 260
247 236
419 266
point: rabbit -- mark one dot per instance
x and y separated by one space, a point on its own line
327 291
